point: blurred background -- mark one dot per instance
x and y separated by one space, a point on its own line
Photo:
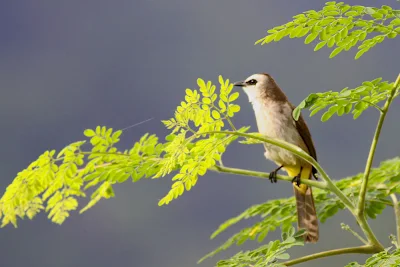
70 65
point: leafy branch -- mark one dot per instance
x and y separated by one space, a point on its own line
54 182
266 255
387 257
367 249
340 25
281 212
363 190
195 145
396 209
356 100
371 245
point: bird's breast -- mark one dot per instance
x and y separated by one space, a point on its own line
274 119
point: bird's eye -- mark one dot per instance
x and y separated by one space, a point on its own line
251 82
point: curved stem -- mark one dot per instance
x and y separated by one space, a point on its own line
347 228
362 221
329 184
361 198
300 153
363 190
367 102
397 216
265 175
369 249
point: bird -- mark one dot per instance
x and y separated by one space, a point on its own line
273 112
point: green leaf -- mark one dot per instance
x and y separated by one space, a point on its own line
89 133
233 96
216 114
351 13
331 42
360 53
320 45
283 256
336 51
395 22
235 108
296 113
311 37
326 116
316 110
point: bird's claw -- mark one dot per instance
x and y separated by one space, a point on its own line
297 180
272 177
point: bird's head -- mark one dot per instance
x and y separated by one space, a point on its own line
261 86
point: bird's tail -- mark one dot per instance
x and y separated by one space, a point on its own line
306 213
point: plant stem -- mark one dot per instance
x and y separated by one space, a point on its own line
218 168
367 102
397 216
362 221
361 199
300 153
368 249
347 228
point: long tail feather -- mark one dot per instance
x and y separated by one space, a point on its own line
306 214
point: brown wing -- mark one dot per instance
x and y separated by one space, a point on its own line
305 134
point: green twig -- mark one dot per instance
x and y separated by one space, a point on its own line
361 198
397 216
302 154
367 102
368 249
388 203
265 175
347 228
362 221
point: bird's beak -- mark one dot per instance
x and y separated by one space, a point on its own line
240 84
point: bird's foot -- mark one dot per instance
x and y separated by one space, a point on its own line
272 177
297 177
297 180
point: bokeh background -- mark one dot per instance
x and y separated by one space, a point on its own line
70 65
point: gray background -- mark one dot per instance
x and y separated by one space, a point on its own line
70 65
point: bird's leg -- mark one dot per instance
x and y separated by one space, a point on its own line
297 177
272 175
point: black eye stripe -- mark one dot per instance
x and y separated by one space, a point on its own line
251 82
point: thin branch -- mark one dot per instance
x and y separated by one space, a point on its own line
300 153
369 249
347 228
364 184
362 221
365 101
397 216
388 203
265 175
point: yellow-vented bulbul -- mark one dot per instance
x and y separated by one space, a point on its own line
274 119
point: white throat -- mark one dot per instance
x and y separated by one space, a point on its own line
253 95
